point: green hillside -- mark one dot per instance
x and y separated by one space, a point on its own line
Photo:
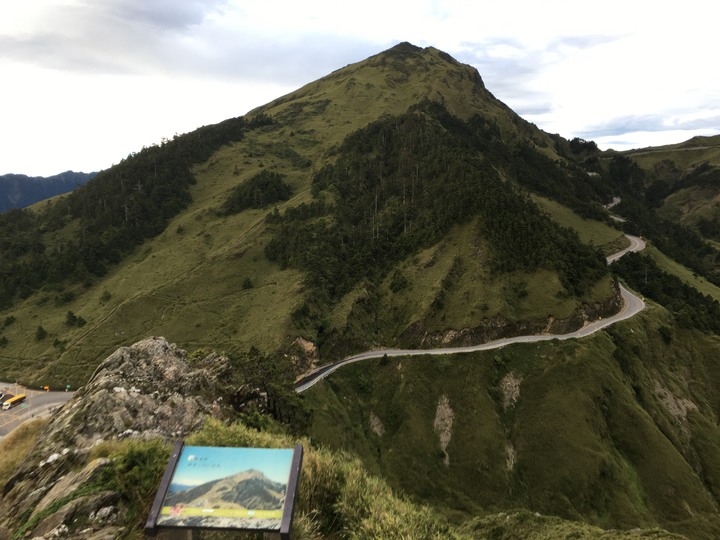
154 247
683 182
684 155
396 203
337 496
617 430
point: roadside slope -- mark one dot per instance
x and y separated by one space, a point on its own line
631 306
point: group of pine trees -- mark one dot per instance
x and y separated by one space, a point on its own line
401 183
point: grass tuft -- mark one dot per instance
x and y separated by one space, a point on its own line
15 446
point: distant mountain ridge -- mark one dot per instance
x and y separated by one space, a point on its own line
20 190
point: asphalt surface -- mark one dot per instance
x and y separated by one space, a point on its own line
632 305
636 244
38 403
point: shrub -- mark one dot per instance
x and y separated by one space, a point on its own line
73 320
260 190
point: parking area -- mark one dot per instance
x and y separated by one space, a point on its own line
37 403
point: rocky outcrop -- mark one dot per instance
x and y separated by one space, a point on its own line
443 425
148 390
303 355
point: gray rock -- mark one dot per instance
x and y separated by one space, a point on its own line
148 390
107 514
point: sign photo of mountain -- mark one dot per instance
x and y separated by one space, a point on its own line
238 488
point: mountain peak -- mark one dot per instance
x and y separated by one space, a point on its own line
408 50
414 55
404 47
388 83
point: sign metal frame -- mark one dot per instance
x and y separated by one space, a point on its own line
151 525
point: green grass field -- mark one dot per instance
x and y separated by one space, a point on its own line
604 237
16 445
688 276
684 155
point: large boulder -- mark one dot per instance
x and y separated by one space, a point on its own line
147 390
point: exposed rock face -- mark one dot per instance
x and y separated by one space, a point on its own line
148 390
510 388
376 425
304 355
443 424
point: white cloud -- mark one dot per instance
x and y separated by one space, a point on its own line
95 79
90 121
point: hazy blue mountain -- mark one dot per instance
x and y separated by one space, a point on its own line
20 190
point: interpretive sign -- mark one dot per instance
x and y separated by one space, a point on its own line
242 489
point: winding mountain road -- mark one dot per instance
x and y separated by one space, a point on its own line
632 305
636 244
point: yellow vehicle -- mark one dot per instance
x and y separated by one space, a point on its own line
10 403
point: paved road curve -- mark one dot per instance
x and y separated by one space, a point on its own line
38 403
631 305
636 244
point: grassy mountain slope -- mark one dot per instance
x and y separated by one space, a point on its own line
337 498
201 277
672 267
618 430
684 183
684 155
386 84
395 202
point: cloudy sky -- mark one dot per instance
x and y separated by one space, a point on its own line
85 82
